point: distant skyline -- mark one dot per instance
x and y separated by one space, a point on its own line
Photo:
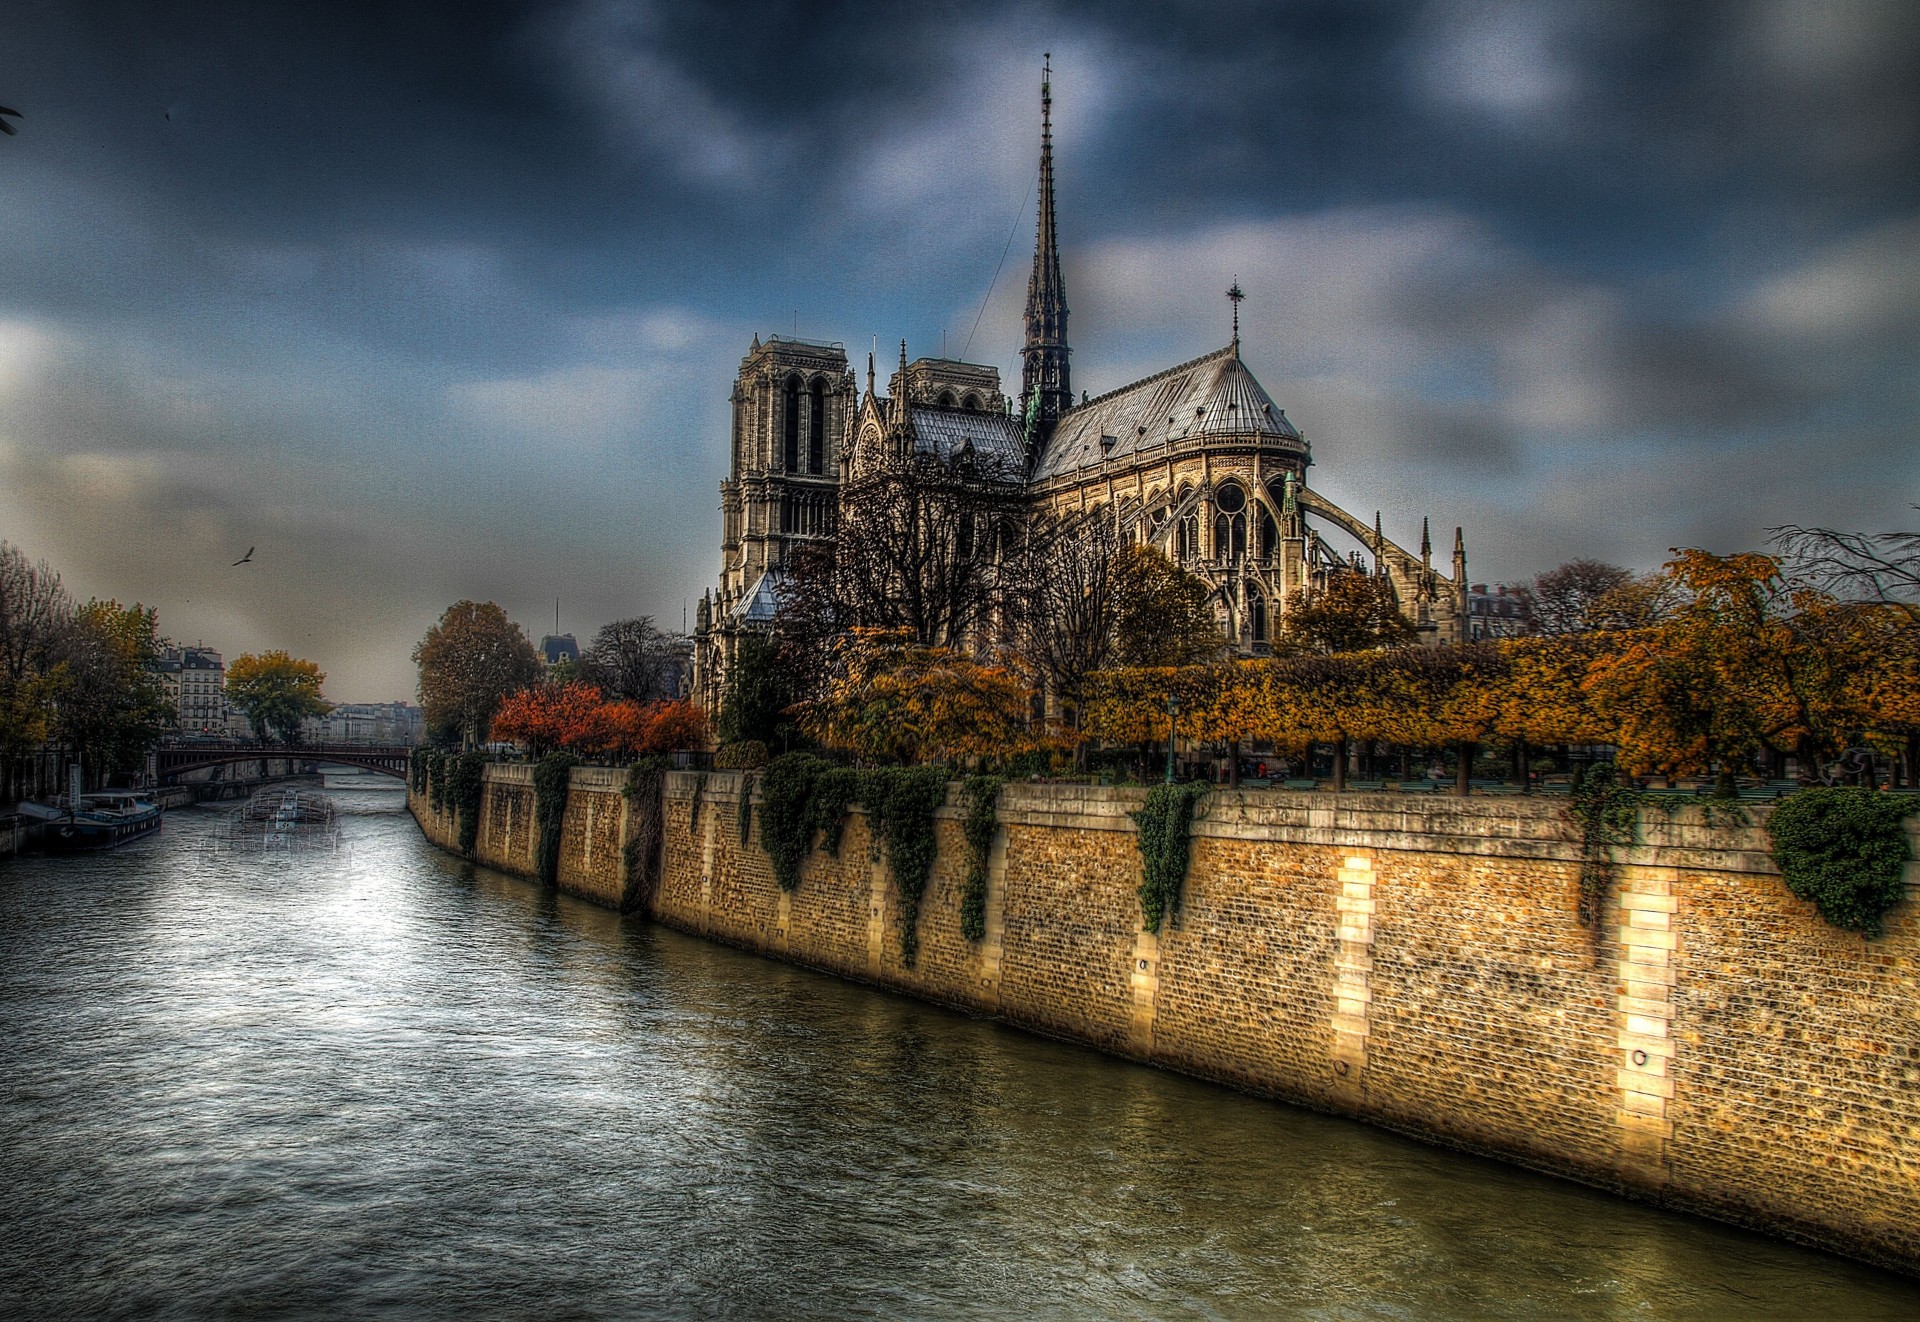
439 301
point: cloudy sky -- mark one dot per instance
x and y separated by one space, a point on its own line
442 301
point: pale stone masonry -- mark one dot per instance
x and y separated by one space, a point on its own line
1415 964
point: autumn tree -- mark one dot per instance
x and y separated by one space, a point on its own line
35 614
1163 615
1746 663
277 692
633 659
110 706
1355 612
469 662
892 699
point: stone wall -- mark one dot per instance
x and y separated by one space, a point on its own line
592 833
1412 962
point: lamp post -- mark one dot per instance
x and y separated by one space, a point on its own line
1173 726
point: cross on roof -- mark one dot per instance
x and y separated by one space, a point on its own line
1234 296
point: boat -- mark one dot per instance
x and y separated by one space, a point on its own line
282 819
95 821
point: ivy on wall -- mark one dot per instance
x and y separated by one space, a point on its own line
981 794
804 796
646 834
466 785
1166 832
551 777
1607 811
436 776
1843 850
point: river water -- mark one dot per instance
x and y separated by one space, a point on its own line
379 1083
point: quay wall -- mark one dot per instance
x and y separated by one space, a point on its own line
1416 963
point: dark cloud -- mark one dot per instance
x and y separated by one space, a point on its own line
444 300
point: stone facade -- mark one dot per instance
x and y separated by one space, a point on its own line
1418 965
1197 460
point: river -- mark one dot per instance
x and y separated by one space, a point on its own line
379 1083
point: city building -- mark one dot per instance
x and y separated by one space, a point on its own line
558 648
381 723
1497 613
1197 460
196 683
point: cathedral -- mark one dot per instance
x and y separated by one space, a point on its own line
1196 460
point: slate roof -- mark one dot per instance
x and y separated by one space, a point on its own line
998 446
1213 395
762 601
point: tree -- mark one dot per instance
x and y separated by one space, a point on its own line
1746 663
632 659
543 717
469 662
1877 567
1355 612
760 689
1162 615
35 614
277 692
110 704
895 700
1066 607
919 545
1565 600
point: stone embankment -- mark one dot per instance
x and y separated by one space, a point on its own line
1417 964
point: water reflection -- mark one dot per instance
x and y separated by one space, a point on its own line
386 1083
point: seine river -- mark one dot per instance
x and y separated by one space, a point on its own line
377 1083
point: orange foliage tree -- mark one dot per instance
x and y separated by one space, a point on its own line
577 718
893 700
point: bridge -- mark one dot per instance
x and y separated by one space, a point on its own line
175 760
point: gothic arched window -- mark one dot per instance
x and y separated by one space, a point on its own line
1256 617
970 401
817 429
946 399
1267 535
790 452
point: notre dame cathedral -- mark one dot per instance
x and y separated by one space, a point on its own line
1196 460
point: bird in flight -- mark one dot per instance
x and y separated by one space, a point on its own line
243 560
5 127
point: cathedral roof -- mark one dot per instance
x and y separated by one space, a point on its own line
994 438
1213 395
762 601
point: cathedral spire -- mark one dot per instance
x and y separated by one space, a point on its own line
1045 389
902 418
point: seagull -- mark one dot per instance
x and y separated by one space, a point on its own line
243 560
5 127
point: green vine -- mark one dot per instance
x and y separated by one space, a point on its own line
835 791
743 811
1843 850
1607 811
551 777
1166 833
437 780
912 796
786 813
466 788
982 797
646 835
417 770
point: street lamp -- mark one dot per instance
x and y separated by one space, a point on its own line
1173 725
